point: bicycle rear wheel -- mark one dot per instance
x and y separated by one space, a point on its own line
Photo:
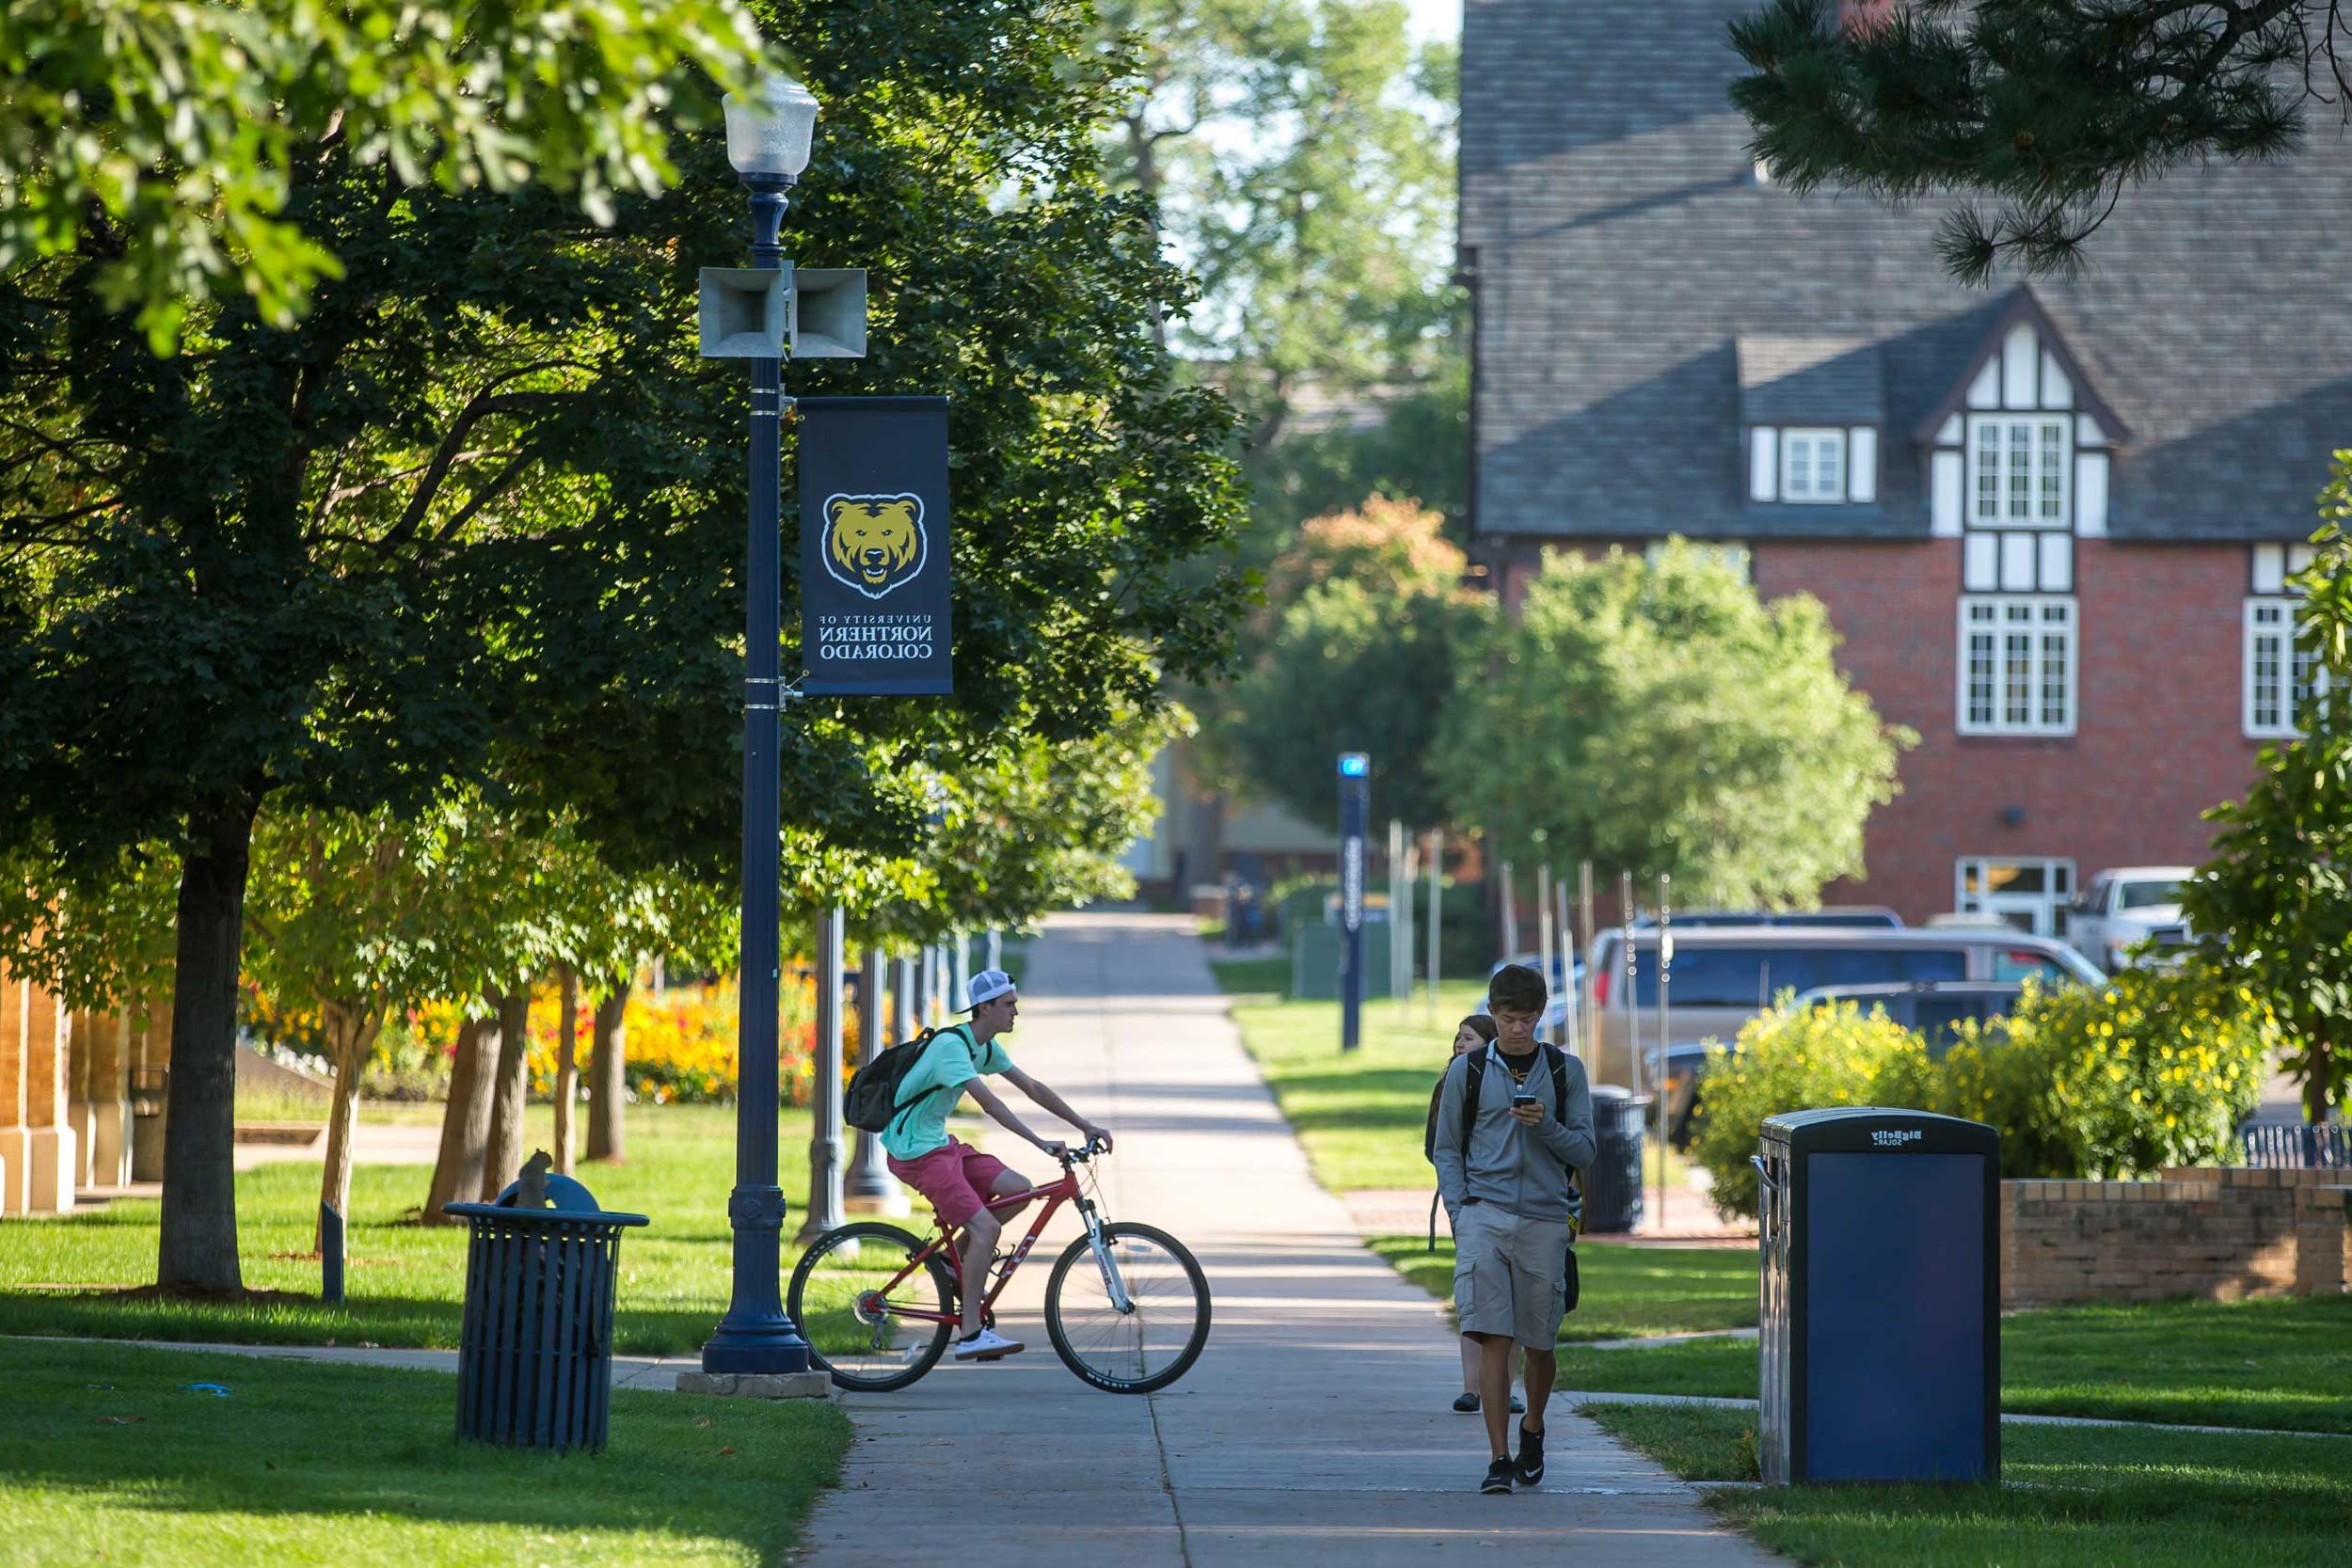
852 1315
1151 1343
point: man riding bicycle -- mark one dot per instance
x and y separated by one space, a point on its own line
958 1178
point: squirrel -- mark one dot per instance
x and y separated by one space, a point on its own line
532 1189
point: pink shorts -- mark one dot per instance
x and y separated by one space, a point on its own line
955 1176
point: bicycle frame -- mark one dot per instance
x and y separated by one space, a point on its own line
948 1240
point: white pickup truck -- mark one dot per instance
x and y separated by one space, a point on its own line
2118 909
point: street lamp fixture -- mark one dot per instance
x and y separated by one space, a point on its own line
768 129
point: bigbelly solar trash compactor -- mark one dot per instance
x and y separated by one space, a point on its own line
1879 1232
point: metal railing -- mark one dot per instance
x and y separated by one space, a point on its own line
2292 1148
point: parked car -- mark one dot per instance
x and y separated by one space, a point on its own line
1936 1008
1724 976
1867 916
2119 910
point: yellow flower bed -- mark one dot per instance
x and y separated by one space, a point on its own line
679 1043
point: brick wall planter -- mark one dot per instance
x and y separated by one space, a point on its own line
2222 1234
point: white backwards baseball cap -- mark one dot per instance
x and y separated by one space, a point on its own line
986 985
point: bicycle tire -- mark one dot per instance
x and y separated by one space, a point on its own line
832 1242
1096 1377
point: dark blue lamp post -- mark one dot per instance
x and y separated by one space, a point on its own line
1355 813
768 138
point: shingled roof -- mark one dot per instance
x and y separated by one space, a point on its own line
1641 292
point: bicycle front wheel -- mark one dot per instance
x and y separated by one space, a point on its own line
849 1297
1155 1336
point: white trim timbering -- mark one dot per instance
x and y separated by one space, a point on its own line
2090 494
1862 464
2273 563
1763 463
2020 357
1948 478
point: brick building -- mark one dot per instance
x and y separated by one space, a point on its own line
2050 522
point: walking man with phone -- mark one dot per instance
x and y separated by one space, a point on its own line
1513 1121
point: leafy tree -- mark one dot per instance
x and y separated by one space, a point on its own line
1413 447
1289 149
96 935
341 921
1363 660
1656 718
1300 155
2275 899
473 523
2052 108
167 141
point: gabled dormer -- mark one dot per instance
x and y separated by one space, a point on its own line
1810 409
2020 438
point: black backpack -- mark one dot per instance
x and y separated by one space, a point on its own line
870 1103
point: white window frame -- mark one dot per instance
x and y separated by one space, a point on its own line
2001 618
2046 909
2047 478
1809 439
2270 697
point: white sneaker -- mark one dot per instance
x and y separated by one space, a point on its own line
987 1345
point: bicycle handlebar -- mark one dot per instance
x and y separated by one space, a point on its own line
1084 1152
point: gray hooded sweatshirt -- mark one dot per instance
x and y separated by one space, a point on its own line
1518 1169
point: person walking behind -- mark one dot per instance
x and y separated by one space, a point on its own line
1474 1033
1514 1119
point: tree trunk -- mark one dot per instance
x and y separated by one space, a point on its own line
505 1160
197 1247
350 1036
608 1075
2319 1053
465 1122
566 1068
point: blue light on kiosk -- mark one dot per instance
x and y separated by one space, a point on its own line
1354 764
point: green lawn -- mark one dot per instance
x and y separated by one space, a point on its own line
2073 1497
403 1279
2283 1364
1627 1291
106 1457
1361 1117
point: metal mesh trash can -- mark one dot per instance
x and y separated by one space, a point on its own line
1880 1302
535 1357
1613 1187
150 1095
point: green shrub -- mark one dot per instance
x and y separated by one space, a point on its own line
1787 1060
2155 1068
2158 1068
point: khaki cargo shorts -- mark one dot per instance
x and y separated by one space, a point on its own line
1510 1275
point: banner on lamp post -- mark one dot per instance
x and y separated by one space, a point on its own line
874 573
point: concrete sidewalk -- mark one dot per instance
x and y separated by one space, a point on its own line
1315 1429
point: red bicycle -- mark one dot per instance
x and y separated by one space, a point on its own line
1126 1307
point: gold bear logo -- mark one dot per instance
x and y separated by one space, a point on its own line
874 544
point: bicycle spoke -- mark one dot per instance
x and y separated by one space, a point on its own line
853 1302
1133 1345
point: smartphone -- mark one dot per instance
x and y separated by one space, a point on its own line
1522 1097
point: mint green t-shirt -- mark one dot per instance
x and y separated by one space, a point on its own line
933 1087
